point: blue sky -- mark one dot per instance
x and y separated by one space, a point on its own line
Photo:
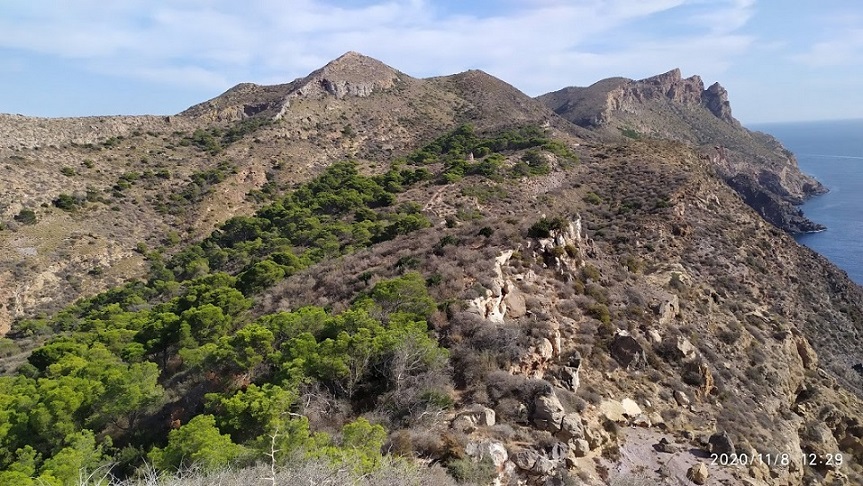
779 60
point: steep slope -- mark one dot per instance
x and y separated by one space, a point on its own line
637 276
155 181
670 107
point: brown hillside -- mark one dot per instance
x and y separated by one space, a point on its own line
670 107
181 185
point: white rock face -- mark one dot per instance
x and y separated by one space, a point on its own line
490 449
492 307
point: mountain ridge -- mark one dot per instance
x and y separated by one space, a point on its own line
511 295
669 106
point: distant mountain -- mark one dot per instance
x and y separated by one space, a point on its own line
670 107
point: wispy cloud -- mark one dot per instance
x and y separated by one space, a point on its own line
213 44
845 47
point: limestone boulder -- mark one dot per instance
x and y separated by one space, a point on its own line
571 428
525 459
495 451
515 303
720 443
626 351
548 412
698 473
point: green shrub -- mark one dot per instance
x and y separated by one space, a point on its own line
592 198
600 312
465 470
66 202
590 272
544 227
26 216
630 133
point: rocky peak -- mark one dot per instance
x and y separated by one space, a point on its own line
670 85
351 74
715 99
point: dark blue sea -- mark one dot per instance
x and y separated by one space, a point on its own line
832 152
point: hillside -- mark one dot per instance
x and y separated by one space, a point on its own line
365 277
670 107
159 181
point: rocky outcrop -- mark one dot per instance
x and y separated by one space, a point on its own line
627 351
669 106
352 74
771 207
492 305
548 412
715 99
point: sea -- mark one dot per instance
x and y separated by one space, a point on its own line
832 152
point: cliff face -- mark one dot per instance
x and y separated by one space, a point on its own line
671 107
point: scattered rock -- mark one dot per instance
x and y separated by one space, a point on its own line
720 443
487 449
681 398
548 412
626 350
571 428
580 447
698 473
665 446
630 408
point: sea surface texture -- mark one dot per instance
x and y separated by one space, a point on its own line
832 152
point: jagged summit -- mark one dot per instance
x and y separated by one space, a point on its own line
594 105
672 107
351 74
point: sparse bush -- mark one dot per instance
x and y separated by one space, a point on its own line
589 272
67 202
600 312
544 227
592 198
26 216
465 470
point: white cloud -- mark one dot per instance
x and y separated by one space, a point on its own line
845 48
213 44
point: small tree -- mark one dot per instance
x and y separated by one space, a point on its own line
199 443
